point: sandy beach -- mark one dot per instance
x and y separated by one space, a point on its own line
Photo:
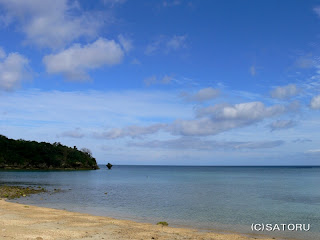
19 221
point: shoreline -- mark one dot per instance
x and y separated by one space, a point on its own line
20 221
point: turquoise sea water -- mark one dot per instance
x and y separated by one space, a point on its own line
212 198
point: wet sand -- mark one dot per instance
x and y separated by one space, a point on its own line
19 221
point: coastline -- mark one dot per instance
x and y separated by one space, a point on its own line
20 221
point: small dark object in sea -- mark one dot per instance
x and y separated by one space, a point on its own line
109 165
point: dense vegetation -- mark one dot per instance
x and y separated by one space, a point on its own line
22 154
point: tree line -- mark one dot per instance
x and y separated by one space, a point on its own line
22 154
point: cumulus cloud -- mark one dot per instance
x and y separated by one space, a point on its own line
14 68
244 111
131 131
285 92
76 133
74 62
155 80
208 121
202 95
315 102
222 117
49 23
199 144
281 124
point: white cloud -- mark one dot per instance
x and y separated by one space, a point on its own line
113 2
153 47
125 43
223 117
53 24
196 127
305 62
14 68
199 144
285 92
150 80
171 3
75 61
2 53
76 133
315 102
259 144
253 71
209 121
131 131
317 10
90 109
176 42
251 111
166 79
40 115
202 95
135 61
167 44
316 151
281 124
301 140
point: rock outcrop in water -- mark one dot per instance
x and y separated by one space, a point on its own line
109 165
22 154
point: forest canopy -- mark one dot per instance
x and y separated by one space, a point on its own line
22 154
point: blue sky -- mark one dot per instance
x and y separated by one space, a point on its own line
164 82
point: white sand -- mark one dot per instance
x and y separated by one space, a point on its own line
18 221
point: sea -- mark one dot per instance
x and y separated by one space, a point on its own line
224 199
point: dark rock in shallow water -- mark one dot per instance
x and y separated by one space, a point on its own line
109 165
11 192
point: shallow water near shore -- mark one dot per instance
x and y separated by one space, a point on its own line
213 198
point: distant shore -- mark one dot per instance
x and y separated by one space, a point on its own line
19 221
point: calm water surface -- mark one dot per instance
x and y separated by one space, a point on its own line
223 198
